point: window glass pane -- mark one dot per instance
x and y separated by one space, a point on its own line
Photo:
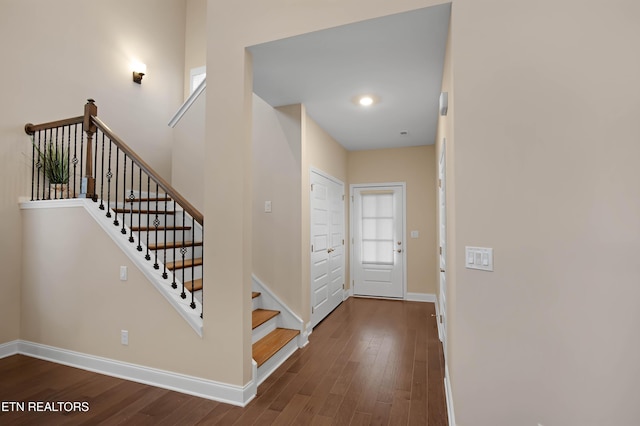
377 228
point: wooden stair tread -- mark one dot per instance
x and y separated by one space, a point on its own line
254 294
195 285
146 200
143 211
174 244
260 316
160 228
266 347
186 264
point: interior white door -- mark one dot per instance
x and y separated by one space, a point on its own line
378 241
442 235
327 245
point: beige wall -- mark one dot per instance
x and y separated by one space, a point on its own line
416 167
187 162
195 47
319 151
546 172
277 171
74 299
55 56
231 27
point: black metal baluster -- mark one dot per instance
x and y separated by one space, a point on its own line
82 171
44 167
55 164
123 231
148 256
62 165
109 176
156 223
139 248
101 177
202 277
95 164
193 263
33 165
174 284
183 252
115 220
40 164
69 162
132 197
74 160
165 274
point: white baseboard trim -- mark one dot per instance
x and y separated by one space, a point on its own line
8 349
203 388
449 397
420 297
347 293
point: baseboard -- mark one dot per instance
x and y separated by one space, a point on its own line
203 388
420 297
9 348
347 293
449 397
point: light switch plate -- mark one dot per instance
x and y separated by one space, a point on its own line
267 206
478 258
415 234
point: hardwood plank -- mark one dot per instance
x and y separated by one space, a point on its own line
266 347
187 263
260 316
174 244
369 362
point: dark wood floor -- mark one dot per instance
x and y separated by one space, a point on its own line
375 362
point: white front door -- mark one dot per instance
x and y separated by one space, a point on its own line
327 245
378 240
442 235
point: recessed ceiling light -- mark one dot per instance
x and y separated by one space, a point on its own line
365 100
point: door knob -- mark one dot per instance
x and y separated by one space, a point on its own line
441 270
329 250
399 250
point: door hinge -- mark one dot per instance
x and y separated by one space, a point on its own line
352 198
440 317
439 183
311 187
343 286
311 248
440 251
343 242
342 197
312 309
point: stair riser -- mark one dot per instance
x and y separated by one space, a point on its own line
190 274
159 237
173 254
263 329
142 220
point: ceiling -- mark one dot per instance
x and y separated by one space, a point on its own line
398 59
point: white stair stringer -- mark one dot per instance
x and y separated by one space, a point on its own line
192 316
286 319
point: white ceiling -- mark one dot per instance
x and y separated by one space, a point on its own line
397 58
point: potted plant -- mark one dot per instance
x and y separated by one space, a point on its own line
54 162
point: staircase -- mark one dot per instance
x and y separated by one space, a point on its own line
169 236
272 343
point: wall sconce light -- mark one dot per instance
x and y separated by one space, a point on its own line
139 70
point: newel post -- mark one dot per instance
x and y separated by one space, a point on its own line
88 181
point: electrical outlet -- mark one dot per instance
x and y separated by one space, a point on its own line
124 337
123 273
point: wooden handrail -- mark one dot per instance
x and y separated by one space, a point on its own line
171 192
30 128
